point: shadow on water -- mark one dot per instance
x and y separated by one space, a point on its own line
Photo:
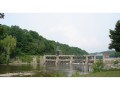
36 70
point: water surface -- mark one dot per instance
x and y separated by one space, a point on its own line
37 70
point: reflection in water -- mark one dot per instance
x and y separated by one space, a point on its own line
67 69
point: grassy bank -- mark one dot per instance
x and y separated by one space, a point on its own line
49 74
107 73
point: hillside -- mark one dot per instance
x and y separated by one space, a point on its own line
31 43
112 53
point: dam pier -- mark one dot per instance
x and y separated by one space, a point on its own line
69 59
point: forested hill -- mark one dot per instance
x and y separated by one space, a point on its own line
112 53
31 43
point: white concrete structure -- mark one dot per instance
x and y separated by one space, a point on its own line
62 59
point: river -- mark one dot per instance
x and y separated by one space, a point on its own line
37 70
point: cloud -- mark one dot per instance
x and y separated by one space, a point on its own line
72 36
86 31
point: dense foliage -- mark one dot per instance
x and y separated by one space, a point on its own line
98 66
115 37
2 15
31 43
115 54
7 46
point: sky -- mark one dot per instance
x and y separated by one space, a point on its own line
88 31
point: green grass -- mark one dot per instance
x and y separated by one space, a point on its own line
108 73
49 74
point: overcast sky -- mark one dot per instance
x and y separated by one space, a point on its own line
88 31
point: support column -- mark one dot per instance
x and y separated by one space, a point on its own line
104 60
71 59
44 60
86 61
57 59
86 64
94 58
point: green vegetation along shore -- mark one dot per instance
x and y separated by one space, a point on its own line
108 73
28 42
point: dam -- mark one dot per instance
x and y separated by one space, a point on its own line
69 59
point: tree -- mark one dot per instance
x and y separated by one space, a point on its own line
2 15
9 44
115 38
31 43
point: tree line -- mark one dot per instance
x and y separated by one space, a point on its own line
115 40
15 41
115 37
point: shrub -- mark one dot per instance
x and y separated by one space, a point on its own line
2 58
76 74
115 62
98 66
26 58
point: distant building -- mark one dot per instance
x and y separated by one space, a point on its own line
106 55
99 56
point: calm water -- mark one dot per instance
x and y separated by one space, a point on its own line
43 70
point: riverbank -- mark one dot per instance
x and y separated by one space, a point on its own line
20 74
107 73
27 59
